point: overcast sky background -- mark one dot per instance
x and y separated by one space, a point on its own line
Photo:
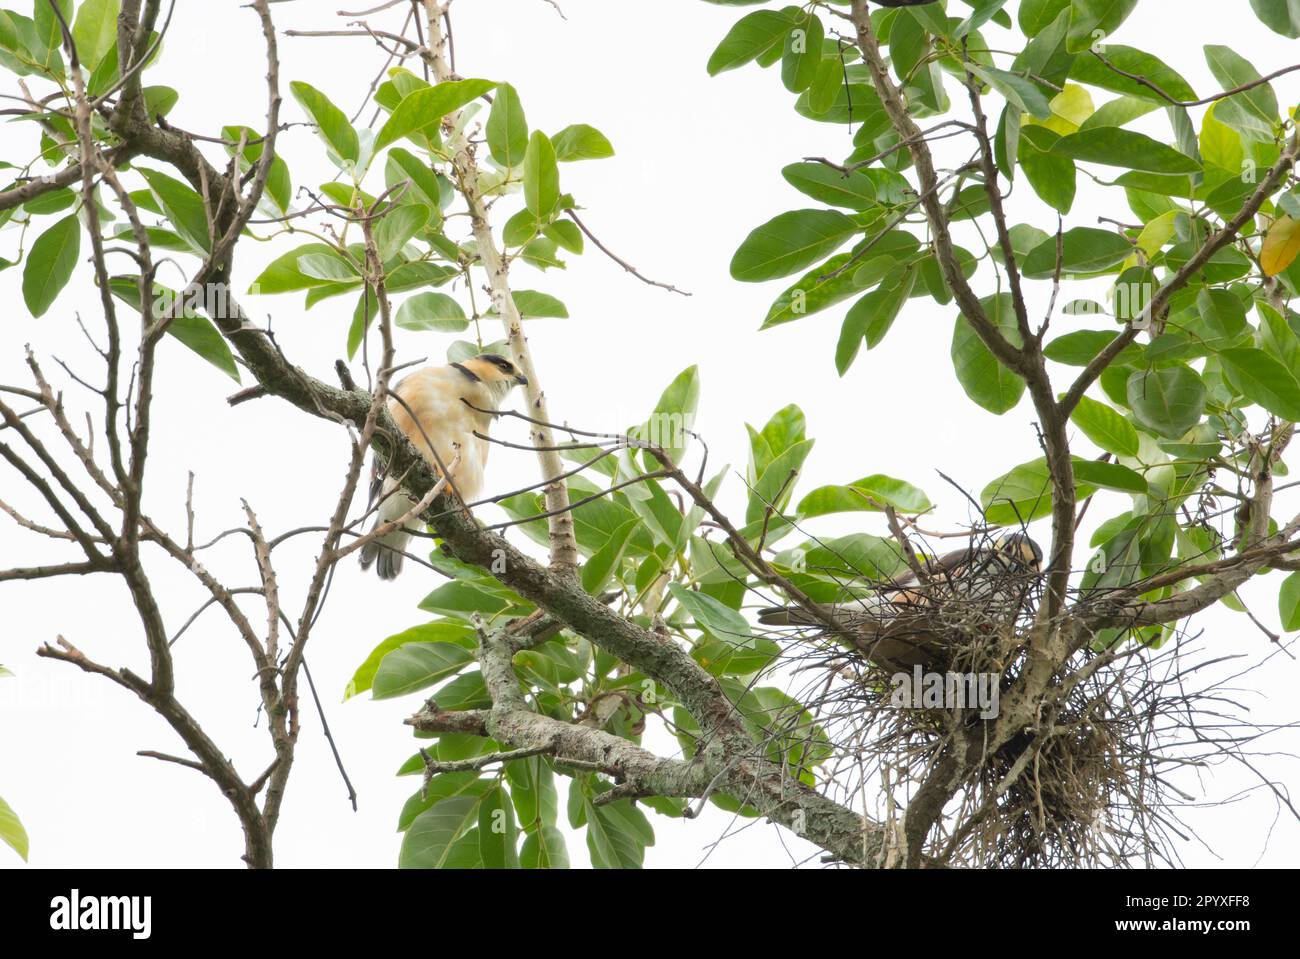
697 167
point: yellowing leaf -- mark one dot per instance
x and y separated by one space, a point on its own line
1070 108
1281 246
1157 233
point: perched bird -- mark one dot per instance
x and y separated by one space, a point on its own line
440 408
911 622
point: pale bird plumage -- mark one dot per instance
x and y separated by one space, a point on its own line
440 409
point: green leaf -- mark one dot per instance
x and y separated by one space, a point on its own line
790 242
415 666
424 109
544 849
1023 495
95 30
1254 110
279 183
600 567
183 207
497 831
674 414
50 263
426 187
1090 70
1080 347
1263 380
432 311
534 305
191 329
1093 21
1288 602
439 632
430 840
331 123
612 840
724 623
871 493
1036 15
396 227
1052 176
1022 93
507 128
1084 249
1105 427
1280 16
776 484
328 267
541 176
869 319
11 830
801 54
1115 147
581 142
284 275
1109 476
985 380
1169 401
750 37
854 190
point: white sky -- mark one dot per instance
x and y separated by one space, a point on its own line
697 167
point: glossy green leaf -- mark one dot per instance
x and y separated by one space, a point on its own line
1263 380
1105 427
1134 151
11 830
1169 400
1281 16
1288 602
432 311
869 319
541 176
415 666
439 632
424 109
331 122
801 53
985 380
581 142
183 207
95 30
430 841
1094 21
1023 494
724 623
396 228
1084 249
1254 110
871 493
597 571
752 35
854 190
790 242
50 263
507 128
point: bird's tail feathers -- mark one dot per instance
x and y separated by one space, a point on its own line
385 553
786 616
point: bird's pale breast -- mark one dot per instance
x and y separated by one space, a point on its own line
436 397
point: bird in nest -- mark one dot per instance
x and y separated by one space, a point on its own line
915 621
446 412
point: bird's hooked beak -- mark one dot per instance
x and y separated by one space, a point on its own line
521 380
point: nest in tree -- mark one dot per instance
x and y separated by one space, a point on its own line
1083 781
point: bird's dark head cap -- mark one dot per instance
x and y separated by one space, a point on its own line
1021 548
